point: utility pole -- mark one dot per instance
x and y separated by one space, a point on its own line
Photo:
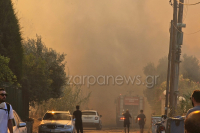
178 51
177 40
173 59
169 66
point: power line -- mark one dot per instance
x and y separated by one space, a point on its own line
186 10
188 3
193 32
185 33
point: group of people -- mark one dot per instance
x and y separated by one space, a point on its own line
141 119
192 121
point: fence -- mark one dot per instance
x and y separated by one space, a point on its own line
19 101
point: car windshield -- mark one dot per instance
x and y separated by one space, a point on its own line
88 113
57 116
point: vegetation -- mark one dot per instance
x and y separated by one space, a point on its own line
44 71
10 38
190 68
188 81
72 96
7 77
39 70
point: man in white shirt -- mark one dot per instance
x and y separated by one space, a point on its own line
5 116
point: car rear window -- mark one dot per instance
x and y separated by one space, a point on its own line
88 113
56 116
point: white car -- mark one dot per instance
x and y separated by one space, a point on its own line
56 122
91 118
18 125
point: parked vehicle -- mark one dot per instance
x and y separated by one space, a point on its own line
160 125
18 125
57 121
133 103
91 118
154 120
160 128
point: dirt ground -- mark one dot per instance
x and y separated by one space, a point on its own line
35 125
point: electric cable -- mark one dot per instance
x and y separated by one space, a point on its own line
188 3
185 33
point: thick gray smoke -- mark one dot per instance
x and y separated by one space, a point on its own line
106 37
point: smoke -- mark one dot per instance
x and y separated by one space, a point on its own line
106 37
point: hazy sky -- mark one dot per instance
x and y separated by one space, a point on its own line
106 36
102 37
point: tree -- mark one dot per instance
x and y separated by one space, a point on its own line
36 78
149 69
6 75
10 37
190 68
71 96
44 71
186 87
160 70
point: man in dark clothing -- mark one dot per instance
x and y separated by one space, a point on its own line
195 98
142 119
126 120
78 119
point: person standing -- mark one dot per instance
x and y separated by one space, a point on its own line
78 119
126 120
142 119
195 98
6 114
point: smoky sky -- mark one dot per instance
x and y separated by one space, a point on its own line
107 37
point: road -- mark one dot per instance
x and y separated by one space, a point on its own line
92 130
111 130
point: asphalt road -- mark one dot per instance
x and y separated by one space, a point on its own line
93 130
111 130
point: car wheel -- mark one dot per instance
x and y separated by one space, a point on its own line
99 126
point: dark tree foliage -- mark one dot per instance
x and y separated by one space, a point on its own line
10 37
162 69
57 71
149 69
44 71
6 75
159 70
36 78
190 68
